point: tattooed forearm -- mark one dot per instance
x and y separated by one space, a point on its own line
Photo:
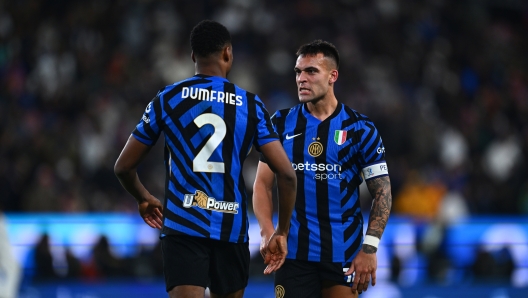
369 249
380 190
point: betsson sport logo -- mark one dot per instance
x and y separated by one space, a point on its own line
331 171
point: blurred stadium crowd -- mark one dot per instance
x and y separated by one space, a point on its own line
446 82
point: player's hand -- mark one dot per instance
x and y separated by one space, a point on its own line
151 211
264 239
275 253
364 265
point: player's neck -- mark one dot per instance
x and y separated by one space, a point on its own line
210 69
322 108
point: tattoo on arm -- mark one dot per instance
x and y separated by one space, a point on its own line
369 249
380 190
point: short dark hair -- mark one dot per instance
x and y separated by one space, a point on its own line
209 37
319 46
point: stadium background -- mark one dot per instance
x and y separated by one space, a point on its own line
445 81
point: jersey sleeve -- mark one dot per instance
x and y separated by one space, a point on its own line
274 120
372 153
265 130
149 128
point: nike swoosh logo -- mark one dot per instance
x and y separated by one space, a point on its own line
291 137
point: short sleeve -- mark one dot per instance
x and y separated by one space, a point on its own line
372 152
149 128
265 130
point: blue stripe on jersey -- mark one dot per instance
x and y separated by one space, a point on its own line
180 228
143 140
178 210
327 224
201 161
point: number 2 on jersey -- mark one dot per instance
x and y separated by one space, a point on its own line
201 162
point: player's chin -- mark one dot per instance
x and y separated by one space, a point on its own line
304 98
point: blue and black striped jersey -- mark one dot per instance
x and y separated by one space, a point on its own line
210 126
328 157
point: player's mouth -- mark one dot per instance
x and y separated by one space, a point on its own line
304 91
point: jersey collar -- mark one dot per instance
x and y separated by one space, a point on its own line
310 117
202 76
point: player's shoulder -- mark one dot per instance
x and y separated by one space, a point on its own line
172 87
242 91
282 113
356 116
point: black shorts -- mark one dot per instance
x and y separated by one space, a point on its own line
303 278
221 266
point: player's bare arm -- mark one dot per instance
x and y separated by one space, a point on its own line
380 190
125 169
365 264
263 203
279 163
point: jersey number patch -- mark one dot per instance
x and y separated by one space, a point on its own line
201 162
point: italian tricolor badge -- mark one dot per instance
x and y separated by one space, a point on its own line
340 136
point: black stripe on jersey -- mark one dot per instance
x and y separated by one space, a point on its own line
156 104
166 156
227 156
343 152
376 142
177 89
182 165
246 143
368 137
157 108
352 161
182 221
192 211
300 204
349 231
349 212
358 221
353 118
188 131
271 132
350 187
280 122
191 130
139 134
321 191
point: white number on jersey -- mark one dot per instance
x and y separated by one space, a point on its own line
201 162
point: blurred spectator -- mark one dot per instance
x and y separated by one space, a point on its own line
483 266
446 82
44 270
420 198
493 266
107 265
74 265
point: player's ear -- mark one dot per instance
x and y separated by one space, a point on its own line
192 57
333 76
227 54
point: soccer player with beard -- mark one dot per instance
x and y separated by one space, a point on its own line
333 149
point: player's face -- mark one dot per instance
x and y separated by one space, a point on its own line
314 77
